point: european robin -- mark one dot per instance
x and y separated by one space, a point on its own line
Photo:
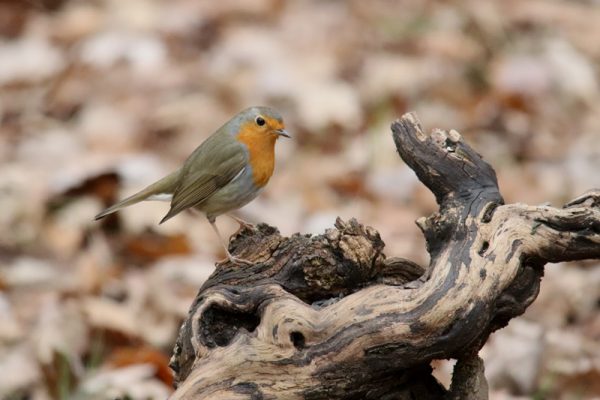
224 173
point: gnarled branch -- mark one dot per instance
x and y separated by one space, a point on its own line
329 317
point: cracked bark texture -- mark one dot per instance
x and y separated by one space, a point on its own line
330 317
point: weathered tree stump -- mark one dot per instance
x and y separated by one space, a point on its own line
330 317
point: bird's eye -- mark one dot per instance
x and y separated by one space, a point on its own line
260 121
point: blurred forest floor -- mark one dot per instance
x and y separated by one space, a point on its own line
99 98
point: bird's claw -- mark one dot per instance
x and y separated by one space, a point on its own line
243 224
236 261
247 225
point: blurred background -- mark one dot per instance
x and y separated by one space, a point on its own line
98 98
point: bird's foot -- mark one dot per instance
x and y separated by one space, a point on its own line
243 224
235 260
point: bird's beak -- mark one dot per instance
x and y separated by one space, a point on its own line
282 132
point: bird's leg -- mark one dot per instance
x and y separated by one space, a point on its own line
233 259
243 224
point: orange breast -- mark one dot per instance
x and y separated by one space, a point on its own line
261 148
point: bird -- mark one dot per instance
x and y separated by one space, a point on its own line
224 173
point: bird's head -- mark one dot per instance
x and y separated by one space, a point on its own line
262 122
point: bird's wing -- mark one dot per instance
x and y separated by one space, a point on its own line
210 167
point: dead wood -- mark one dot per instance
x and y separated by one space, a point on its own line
330 317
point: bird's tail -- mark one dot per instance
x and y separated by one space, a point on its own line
164 186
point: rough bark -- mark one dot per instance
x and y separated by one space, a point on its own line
330 317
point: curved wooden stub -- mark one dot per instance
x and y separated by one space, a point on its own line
329 317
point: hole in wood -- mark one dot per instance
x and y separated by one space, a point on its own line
219 325
489 212
297 339
484 246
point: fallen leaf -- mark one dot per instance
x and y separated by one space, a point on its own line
150 246
126 356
